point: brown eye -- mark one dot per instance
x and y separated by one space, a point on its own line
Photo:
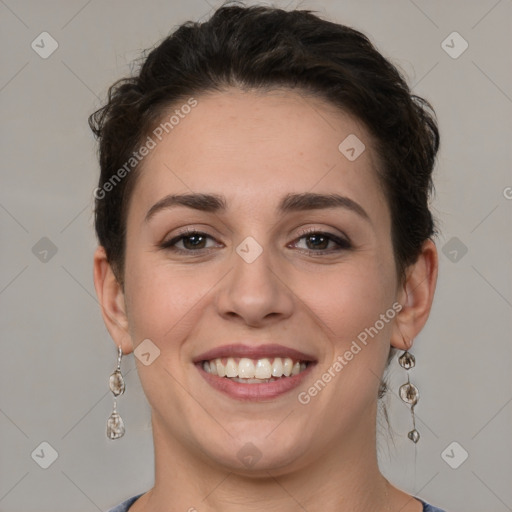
190 242
319 242
194 241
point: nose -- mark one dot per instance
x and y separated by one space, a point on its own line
255 293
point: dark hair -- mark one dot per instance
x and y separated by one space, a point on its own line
265 48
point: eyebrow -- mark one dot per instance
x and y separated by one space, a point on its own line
290 203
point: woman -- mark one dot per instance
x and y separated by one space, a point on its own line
265 249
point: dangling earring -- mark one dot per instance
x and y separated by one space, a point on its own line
409 393
115 424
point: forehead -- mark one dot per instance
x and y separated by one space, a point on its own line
254 147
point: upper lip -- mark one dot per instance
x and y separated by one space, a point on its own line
253 352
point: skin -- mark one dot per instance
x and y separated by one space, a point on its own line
254 148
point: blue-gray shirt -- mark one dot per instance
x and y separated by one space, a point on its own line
123 507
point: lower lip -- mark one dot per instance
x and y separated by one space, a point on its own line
254 392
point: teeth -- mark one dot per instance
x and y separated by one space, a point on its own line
221 369
245 369
287 367
296 368
231 368
248 370
253 381
277 367
263 369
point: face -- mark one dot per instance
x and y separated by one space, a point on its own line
267 270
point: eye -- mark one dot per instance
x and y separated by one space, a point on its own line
320 242
191 241
316 242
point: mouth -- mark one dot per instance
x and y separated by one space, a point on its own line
254 373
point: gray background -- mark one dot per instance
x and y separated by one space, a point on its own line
56 354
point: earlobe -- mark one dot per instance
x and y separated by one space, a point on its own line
112 301
416 297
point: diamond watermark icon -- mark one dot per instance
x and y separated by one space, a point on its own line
44 455
454 455
249 249
249 455
44 45
454 249
454 45
44 250
146 352
351 147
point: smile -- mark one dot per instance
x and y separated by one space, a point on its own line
254 371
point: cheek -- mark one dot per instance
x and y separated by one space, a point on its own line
354 309
351 298
160 300
164 306
344 299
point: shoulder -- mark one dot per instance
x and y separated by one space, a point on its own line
429 508
125 505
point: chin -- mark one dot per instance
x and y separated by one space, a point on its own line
255 452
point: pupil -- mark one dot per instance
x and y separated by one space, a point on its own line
198 238
320 238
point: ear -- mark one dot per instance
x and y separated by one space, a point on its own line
416 297
111 297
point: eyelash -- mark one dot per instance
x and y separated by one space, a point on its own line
343 244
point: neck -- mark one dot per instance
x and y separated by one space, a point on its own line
346 478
